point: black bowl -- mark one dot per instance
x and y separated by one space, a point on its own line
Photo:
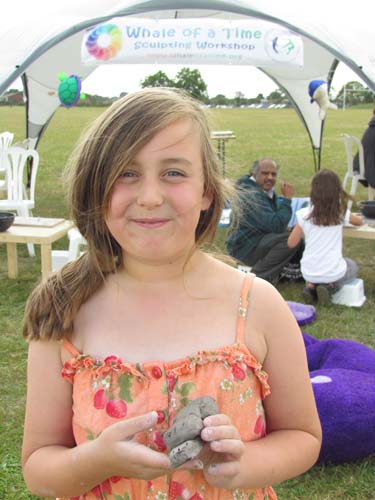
367 208
6 220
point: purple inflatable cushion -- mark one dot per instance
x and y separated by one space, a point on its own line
342 374
303 313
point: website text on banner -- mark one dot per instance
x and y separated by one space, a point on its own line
192 41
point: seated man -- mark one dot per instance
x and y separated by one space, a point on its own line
258 238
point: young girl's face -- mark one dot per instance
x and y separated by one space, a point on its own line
156 203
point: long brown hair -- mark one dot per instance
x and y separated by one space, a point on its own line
110 143
328 199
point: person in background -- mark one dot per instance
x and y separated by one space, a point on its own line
259 234
146 321
323 266
368 143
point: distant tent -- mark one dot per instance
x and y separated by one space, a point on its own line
42 42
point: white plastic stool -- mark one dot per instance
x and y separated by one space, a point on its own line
352 294
62 257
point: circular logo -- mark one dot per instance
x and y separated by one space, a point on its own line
282 46
104 41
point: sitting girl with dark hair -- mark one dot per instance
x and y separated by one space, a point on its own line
322 265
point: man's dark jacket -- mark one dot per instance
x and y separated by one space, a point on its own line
259 215
368 142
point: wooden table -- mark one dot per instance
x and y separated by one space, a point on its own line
42 233
222 136
366 231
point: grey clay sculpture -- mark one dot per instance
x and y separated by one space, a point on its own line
183 438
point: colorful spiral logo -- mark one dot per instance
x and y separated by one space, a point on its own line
104 41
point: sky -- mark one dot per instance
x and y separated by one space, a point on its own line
111 80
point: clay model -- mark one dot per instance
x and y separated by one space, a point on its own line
183 438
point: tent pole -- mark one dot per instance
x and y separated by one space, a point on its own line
318 151
29 165
317 154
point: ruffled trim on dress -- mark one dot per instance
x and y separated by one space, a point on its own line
100 368
233 356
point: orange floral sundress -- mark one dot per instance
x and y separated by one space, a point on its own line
106 391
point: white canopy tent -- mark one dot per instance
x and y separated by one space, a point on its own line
47 40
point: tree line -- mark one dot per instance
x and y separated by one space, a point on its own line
351 94
192 82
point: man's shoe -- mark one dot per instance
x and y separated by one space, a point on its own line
309 295
324 294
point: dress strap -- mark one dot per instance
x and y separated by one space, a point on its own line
68 346
242 308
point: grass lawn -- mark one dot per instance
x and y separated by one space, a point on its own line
275 133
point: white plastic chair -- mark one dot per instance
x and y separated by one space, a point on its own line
19 199
352 145
62 257
3 179
6 139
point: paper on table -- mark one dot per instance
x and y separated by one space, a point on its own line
37 221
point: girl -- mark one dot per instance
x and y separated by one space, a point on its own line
145 321
322 265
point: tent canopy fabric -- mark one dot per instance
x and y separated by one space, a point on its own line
47 37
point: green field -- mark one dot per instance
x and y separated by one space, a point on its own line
275 133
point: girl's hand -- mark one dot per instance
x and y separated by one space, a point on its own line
287 190
123 456
222 455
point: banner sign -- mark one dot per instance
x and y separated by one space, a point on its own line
191 41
